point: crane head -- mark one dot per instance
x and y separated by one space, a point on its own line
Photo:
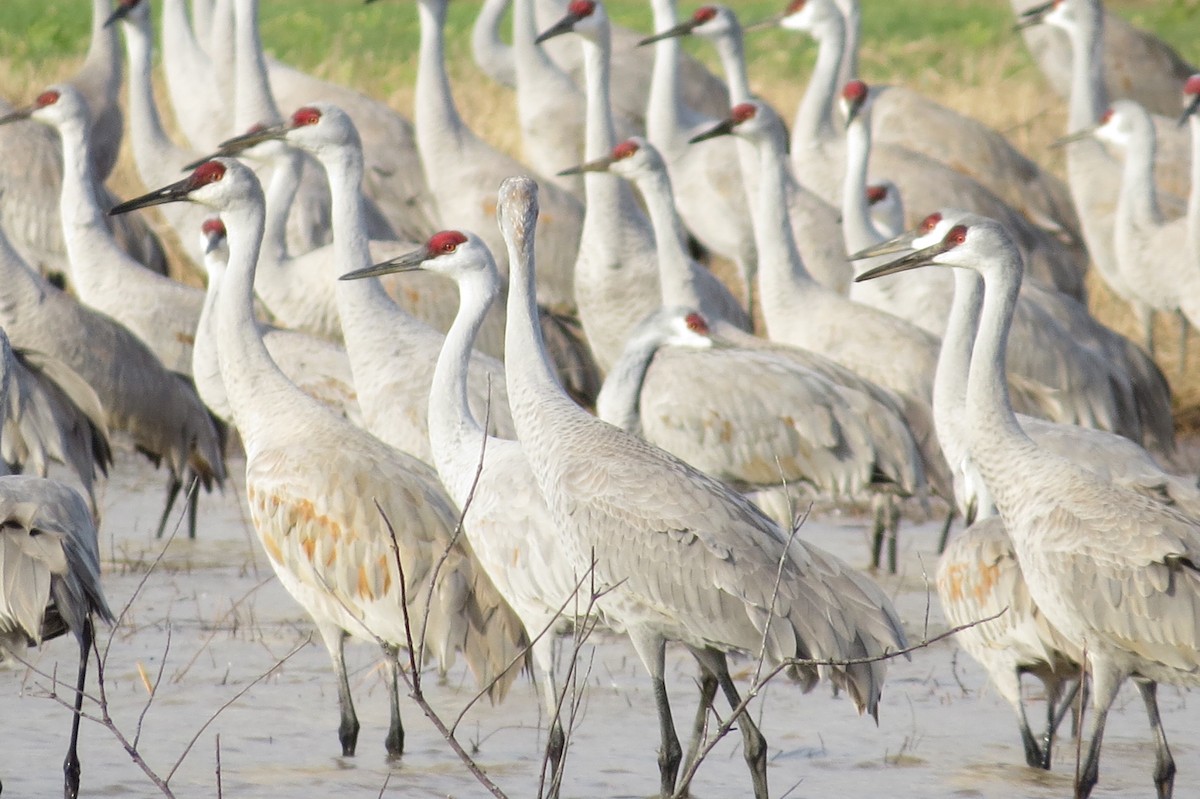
55 106
1037 15
448 252
738 117
954 238
223 184
585 17
123 10
1191 98
695 24
855 96
626 158
312 128
212 234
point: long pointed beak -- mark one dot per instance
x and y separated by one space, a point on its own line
1192 108
763 24
723 128
902 243
176 192
238 144
911 261
119 13
682 29
17 116
1033 16
1078 135
409 262
599 165
564 25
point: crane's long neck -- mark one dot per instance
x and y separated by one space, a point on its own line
151 145
990 421
452 426
666 117
206 362
732 53
620 400
1089 95
1139 193
202 22
436 114
782 273
858 229
78 204
674 270
257 389
222 46
103 56
814 117
253 102
954 363
529 59
177 32
286 169
852 17
490 52
1193 213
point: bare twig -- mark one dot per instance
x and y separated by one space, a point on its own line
137 733
220 791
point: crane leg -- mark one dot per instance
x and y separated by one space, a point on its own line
174 484
1146 317
892 509
651 648
708 690
1105 683
754 745
1034 757
335 641
395 736
193 506
877 532
944 538
1057 707
71 763
1164 764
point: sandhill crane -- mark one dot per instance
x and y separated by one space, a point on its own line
491 54
99 81
1114 570
681 420
919 123
1058 346
1092 174
506 516
817 152
1137 65
49 578
815 222
139 397
391 353
463 169
978 576
326 539
163 312
884 349
318 367
711 198
613 495
616 271
203 113
1155 256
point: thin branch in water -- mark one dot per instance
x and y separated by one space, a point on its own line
137 732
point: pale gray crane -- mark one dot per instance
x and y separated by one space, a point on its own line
616 270
159 310
1137 65
507 521
490 52
685 558
203 113
392 354
1114 570
1093 175
99 81
138 395
816 408
1155 256
318 367
463 169
921 124
978 576
313 481
49 576
1078 366
818 154
712 198
815 223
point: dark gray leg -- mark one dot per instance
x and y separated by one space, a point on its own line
335 641
877 533
754 745
893 523
193 506
174 484
945 536
1164 764
71 763
708 690
1091 766
669 754
395 736
1033 752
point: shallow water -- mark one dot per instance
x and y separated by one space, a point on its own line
213 619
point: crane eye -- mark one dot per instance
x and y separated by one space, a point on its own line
956 236
47 98
445 242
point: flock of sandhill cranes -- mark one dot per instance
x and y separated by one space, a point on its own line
401 401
